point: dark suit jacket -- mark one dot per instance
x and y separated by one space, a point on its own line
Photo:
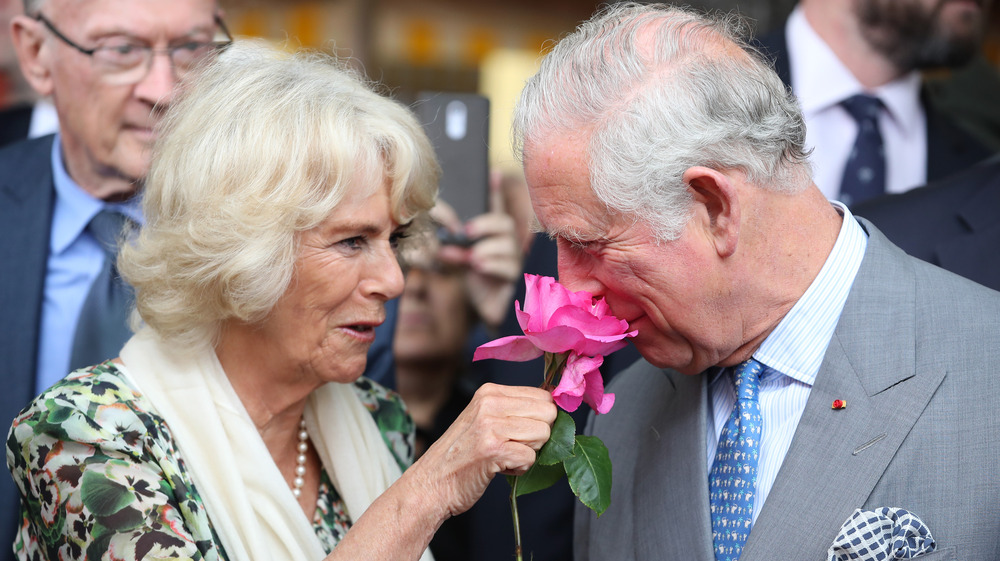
954 223
914 355
14 123
950 149
26 197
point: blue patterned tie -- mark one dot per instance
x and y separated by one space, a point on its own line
733 480
864 173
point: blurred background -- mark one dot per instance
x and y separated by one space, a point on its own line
487 46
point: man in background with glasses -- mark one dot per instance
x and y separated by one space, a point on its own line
111 68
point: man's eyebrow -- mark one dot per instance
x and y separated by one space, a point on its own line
564 232
116 30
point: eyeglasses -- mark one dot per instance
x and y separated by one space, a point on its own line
123 61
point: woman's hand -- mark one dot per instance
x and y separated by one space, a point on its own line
499 432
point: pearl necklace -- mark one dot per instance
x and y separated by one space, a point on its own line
300 460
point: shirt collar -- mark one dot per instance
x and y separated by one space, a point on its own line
820 81
901 98
74 207
797 345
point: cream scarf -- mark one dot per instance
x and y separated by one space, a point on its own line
248 500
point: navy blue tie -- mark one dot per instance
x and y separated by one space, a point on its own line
102 329
732 482
864 173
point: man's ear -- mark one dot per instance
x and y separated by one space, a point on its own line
32 53
715 197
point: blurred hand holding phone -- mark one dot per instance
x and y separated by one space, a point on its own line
458 127
475 231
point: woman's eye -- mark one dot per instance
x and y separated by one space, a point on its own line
397 238
352 243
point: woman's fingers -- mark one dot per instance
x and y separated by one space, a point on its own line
499 432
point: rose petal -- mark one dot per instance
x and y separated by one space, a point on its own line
541 299
567 402
517 348
558 339
587 323
573 386
594 393
596 346
524 319
600 308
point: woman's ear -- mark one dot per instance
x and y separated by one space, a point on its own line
716 199
29 43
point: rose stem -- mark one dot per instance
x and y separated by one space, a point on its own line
517 522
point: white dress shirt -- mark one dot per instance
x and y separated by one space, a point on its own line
820 82
791 355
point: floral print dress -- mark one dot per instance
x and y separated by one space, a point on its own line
101 477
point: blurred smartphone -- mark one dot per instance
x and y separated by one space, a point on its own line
458 127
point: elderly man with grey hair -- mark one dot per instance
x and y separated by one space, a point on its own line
801 376
111 68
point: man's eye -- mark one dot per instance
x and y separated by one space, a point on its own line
122 54
190 47
577 245
124 50
186 54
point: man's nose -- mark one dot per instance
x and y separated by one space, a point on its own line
577 276
158 85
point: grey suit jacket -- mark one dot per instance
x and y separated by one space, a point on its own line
915 356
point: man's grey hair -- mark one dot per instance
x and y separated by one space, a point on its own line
660 89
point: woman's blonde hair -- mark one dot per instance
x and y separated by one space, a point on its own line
263 145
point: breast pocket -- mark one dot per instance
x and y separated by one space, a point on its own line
947 554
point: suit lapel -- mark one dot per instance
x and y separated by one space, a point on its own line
838 456
671 478
949 148
967 254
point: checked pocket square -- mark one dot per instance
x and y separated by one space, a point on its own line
882 534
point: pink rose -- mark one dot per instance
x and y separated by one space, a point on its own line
582 381
558 321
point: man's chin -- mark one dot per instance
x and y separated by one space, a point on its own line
133 159
656 355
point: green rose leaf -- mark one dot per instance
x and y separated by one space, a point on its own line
561 441
589 473
103 496
538 477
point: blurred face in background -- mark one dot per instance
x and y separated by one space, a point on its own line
917 34
107 117
434 312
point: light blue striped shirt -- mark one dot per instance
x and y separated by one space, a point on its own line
792 355
74 261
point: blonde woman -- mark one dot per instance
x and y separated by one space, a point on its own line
235 424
